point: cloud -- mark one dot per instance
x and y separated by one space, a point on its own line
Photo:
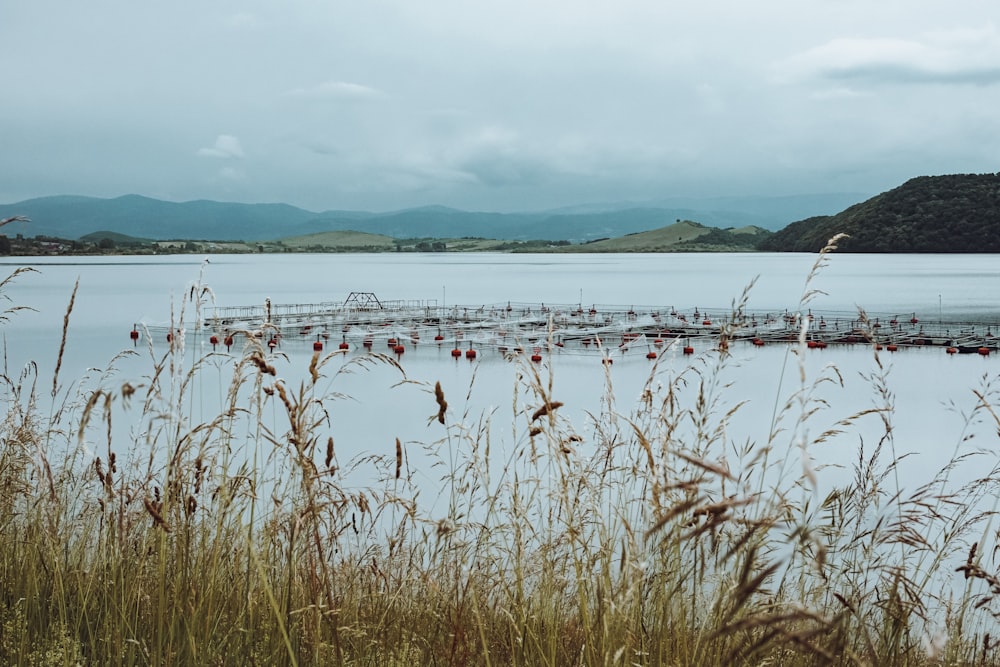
837 93
231 174
226 146
242 21
960 57
335 90
496 156
320 147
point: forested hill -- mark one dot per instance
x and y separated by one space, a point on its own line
956 213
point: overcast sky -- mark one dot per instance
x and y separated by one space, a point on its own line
492 105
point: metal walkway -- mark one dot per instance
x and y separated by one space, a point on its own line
362 320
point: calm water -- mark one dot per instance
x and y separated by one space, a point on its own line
116 292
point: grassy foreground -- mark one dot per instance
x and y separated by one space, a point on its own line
653 536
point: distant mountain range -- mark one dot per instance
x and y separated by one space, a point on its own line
73 217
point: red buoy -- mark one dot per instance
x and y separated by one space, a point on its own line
318 346
651 355
758 342
470 354
391 342
952 350
399 349
688 349
344 345
134 335
228 341
214 340
456 353
367 342
984 351
892 347
536 357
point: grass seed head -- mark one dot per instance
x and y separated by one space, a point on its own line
442 404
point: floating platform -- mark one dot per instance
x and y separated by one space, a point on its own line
364 321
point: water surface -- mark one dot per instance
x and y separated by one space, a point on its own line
929 390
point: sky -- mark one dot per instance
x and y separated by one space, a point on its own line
493 105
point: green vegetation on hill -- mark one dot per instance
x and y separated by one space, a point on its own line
956 213
682 236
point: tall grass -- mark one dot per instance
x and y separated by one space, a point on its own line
652 535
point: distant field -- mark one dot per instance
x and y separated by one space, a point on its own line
338 239
351 240
682 236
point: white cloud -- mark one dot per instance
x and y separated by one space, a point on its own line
952 57
335 90
226 146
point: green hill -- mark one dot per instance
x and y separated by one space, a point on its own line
957 213
118 239
682 236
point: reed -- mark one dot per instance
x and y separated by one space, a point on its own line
651 535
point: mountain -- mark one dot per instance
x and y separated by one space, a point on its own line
954 213
137 216
73 217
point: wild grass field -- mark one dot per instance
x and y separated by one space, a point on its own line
652 535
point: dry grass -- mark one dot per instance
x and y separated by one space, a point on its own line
655 539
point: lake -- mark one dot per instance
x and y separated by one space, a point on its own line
930 391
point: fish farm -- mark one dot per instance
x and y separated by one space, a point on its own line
363 321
